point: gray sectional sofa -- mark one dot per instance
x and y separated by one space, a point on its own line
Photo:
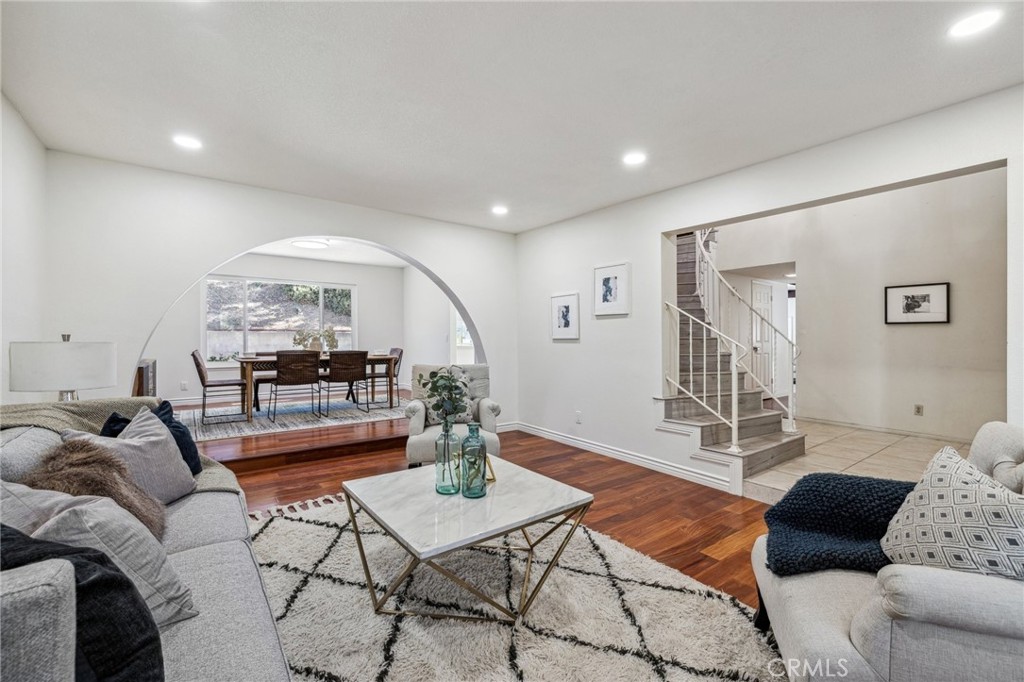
908 623
234 637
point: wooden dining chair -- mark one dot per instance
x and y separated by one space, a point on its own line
347 367
217 387
382 374
296 369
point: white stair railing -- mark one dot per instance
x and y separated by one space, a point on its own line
689 329
711 286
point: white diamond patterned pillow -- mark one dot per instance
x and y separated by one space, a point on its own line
959 518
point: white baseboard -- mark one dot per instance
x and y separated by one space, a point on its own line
677 470
881 429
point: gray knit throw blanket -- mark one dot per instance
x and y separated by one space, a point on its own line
81 415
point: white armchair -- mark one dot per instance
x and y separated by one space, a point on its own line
420 446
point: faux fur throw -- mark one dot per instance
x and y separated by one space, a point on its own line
78 467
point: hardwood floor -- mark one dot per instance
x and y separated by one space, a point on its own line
702 532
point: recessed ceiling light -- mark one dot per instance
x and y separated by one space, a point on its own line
310 243
634 158
975 23
187 142
792 274
499 210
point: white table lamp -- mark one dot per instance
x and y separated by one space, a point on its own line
62 366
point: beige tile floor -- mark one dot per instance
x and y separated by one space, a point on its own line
851 451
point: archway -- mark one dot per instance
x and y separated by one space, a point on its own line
181 312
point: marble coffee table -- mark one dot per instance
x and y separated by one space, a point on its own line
429 526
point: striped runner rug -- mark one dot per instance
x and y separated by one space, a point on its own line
290 416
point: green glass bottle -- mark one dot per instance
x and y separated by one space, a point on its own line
474 463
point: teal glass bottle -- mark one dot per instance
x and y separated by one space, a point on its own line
474 463
446 461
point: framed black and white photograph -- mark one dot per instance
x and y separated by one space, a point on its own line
611 289
917 304
565 316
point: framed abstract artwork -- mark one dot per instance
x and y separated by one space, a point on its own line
612 289
917 304
565 316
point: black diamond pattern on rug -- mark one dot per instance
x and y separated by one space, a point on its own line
606 612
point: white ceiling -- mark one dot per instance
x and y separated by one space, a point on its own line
442 109
338 250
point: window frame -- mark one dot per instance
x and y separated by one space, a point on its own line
245 308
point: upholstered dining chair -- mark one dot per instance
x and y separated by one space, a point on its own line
296 369
347 367
217 387
382 374
420 446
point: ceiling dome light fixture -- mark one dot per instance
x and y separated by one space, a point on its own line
187 142
791 274
975 23
310 243
635 158
498 209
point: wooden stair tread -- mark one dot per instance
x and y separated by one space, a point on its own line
756 444
712 419
725 393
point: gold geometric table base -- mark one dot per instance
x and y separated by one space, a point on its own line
572 518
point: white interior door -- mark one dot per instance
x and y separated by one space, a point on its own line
761 346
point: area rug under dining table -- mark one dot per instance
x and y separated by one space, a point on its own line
607 612
290 416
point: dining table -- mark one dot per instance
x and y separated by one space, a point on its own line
263 362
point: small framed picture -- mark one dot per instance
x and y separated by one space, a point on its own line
565 316
611 289
917 304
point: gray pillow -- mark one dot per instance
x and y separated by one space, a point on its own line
147 447
98 522
23 448
959 518
26 509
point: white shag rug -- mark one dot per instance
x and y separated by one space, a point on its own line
606 613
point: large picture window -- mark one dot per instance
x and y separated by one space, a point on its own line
252 316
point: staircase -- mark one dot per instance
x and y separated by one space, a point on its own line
705 361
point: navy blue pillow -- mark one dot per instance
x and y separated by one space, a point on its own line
116 423
116 639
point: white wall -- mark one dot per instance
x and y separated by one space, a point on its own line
23 244
133 240
379 313
427 324
856 369
615 369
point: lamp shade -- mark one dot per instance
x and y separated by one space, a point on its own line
62 366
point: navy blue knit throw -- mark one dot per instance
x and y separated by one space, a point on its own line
832 521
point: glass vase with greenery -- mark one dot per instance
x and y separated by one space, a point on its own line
446 397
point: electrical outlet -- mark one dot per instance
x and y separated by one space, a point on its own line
918 410
579 417
184 385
